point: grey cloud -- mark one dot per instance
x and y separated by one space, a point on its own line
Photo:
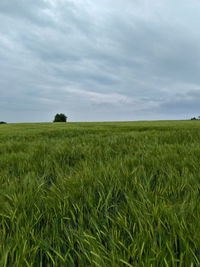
166 51
180 103
140 53
26 11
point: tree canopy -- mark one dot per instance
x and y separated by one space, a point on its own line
60 118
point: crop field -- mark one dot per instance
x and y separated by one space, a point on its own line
100 194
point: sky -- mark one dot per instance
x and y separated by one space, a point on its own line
102 60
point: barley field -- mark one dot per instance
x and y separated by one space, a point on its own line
100 194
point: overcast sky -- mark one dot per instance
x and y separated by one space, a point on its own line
99 60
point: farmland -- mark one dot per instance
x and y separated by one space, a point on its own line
100 194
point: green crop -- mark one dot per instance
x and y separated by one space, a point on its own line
100 194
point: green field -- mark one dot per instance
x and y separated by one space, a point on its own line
100 194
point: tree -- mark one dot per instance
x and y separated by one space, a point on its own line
2 122
60 118
194 118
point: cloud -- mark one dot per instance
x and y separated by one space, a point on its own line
142 63
100 98
27 11
183 103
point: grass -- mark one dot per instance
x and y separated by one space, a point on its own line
100 194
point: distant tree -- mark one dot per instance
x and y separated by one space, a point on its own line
2 122
60 118
193 118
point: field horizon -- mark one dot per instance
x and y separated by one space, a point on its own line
111 121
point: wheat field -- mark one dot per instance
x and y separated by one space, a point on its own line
100 194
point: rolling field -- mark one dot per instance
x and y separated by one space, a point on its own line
100 194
